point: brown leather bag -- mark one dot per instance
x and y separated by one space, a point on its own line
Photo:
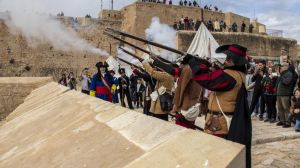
213 124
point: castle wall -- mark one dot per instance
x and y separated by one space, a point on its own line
212 15
44 60
110 15
259 46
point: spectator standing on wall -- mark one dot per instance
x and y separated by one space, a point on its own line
191 24
217 25
170 2
197 25
216 8
175 26
181 3
185 2
210 26
243 27
195 3
251 28
234 27
186 23
190 3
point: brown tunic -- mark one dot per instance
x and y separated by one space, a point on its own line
227 101
163 79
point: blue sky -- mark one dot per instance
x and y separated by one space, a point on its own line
276 14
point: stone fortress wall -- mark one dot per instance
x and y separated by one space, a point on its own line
44 60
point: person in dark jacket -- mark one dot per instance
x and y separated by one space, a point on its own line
133 83
269 90
140 88
124 88
258 94
284 93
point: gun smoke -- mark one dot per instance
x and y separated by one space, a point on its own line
29 18
163 34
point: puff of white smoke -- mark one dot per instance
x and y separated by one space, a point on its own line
163 34
29 18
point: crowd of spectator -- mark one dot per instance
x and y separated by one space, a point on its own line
186 23
273 92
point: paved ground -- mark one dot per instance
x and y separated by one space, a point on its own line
265 132
281 154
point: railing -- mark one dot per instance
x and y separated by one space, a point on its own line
275 33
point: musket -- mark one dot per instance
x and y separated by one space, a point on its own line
138 48
141 59
133 55
156 44
137 67
146 41
125 42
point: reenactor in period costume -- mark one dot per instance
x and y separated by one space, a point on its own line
187 93
124 88
150 86
164 82
229 97
102 83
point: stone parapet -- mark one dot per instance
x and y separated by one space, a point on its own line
56 127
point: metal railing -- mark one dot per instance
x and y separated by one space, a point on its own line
275 33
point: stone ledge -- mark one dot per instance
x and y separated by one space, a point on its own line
54 127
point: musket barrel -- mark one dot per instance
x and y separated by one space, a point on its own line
125 42
133 55
134 46
130 63
146 41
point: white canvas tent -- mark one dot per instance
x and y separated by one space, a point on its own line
205 45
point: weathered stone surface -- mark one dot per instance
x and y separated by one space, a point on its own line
13 91
55 127
283 154
259 46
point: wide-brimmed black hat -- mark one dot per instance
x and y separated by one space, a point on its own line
237 53
101 64
121 70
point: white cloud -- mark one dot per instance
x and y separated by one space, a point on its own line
276 14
